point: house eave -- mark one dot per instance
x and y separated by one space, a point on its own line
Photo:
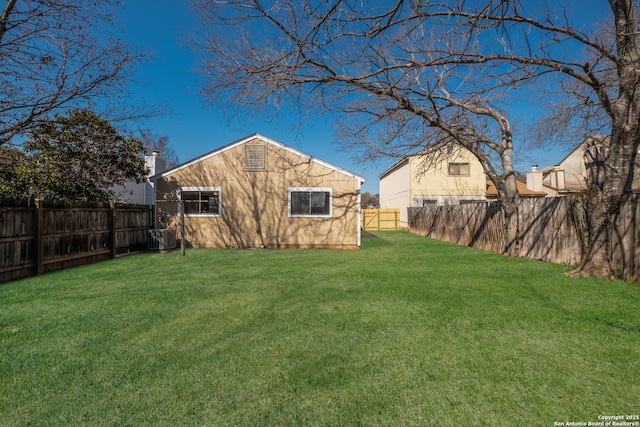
234 144
393 168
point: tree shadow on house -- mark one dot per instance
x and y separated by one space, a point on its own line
254 203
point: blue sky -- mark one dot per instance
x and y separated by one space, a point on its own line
194 129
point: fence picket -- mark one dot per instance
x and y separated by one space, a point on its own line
549 228
42 236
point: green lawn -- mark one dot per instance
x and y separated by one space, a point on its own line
405 331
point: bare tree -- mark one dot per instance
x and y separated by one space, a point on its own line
597 69
406 66
368 61
57 55
161 144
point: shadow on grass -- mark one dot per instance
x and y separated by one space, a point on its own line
367 235
370 240
582 316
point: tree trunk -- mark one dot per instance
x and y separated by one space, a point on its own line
510 201
4 18
510 206
610 176
508 192
596 262
611 169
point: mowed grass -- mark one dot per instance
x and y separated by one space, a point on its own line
405 331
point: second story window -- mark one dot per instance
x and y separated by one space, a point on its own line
459 169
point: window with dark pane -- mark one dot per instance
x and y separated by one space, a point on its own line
310 203
191 202
300 203
319 202
201 202
210 202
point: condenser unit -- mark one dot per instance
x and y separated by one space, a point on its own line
163 239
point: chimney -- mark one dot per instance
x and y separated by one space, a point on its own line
155 163
557 178
534 179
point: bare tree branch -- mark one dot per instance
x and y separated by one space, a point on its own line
405 76
57 55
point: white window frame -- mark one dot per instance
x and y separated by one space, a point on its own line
314 190
209 189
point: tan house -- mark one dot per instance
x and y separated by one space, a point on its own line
257 192
570 175
451 176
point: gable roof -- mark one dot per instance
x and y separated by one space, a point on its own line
394 167
263 138
598 140
492 192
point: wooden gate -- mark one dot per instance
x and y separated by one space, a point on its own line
380 219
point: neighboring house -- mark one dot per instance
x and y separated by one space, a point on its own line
492 192
570 175
450 176
257 192
142 193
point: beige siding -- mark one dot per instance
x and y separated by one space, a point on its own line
395 191
419 178
255 202
570 174
432 181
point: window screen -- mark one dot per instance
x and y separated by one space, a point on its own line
310 202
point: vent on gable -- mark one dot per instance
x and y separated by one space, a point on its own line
255 157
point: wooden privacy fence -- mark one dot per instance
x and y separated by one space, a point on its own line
380 219
40 236
550 229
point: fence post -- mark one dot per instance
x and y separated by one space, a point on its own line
39 237
113 223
